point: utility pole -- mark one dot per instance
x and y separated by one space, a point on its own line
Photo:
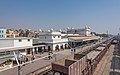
55 57
119 29
19 65
107 34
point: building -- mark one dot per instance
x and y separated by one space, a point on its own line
15 42
2 32
12 33
53 40
84 32
21 48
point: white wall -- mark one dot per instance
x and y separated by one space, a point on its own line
60 40
23 43
56 36
54 45
6 43
88 32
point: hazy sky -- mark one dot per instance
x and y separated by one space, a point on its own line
100 15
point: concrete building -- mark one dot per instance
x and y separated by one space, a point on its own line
11 33
2 32
84 32
15 42
53 40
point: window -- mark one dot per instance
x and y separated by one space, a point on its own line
2 35
20 40
2 31
54 36
58 36
28 39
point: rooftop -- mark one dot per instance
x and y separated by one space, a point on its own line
83 38
18 48
15 38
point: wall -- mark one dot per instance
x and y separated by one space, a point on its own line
23 43
88 32
45 38
56 36
60 40
6 43
35 40
54 45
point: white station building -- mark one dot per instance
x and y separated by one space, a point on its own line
53 40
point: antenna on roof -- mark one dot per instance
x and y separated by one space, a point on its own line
40 30
48 30
60 30
51 29
68 27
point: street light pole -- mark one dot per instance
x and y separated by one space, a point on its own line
55 58
19 65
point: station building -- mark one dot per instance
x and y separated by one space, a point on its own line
53 40
83 32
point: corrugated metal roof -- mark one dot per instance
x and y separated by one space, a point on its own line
83 38
16 38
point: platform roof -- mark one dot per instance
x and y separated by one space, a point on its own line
83 38
18 48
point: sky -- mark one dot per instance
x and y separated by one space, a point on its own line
100 15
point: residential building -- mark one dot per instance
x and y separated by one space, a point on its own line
12 33
2 32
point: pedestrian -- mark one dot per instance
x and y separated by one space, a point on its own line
49 55
71 50
74 50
